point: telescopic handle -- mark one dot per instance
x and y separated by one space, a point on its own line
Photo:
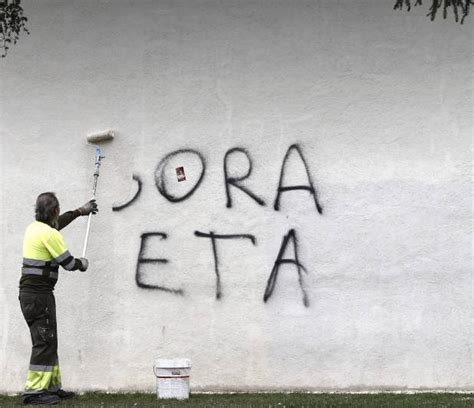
98 158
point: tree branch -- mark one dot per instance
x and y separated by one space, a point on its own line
12 23
456 6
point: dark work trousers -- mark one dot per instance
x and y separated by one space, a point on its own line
39 311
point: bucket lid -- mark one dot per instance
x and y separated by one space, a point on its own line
173 363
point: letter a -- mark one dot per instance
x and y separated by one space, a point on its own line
308 187
280 260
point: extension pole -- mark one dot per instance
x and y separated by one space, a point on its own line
98 158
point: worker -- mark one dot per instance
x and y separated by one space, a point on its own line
44 251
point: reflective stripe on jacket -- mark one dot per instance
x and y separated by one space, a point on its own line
44 250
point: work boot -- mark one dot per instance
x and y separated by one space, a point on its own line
65 394
45 398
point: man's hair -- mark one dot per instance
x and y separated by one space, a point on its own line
46 204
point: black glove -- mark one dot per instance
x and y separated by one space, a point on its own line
89 207
84 264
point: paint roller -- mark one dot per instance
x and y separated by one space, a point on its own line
95 139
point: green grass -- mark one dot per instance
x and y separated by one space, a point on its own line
296 400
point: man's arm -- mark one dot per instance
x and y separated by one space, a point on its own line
66 218
69 216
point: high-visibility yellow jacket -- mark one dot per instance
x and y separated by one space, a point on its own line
44 250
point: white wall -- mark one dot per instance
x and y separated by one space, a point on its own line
379 103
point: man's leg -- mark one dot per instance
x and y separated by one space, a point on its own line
43 376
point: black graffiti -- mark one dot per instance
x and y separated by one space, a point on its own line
280 261
142 260
309 187
213 238
272 280
160 179
137 194
235 181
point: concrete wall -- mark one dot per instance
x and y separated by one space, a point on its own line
367 108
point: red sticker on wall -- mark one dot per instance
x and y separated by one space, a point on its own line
180 173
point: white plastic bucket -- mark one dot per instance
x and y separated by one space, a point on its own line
172 378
